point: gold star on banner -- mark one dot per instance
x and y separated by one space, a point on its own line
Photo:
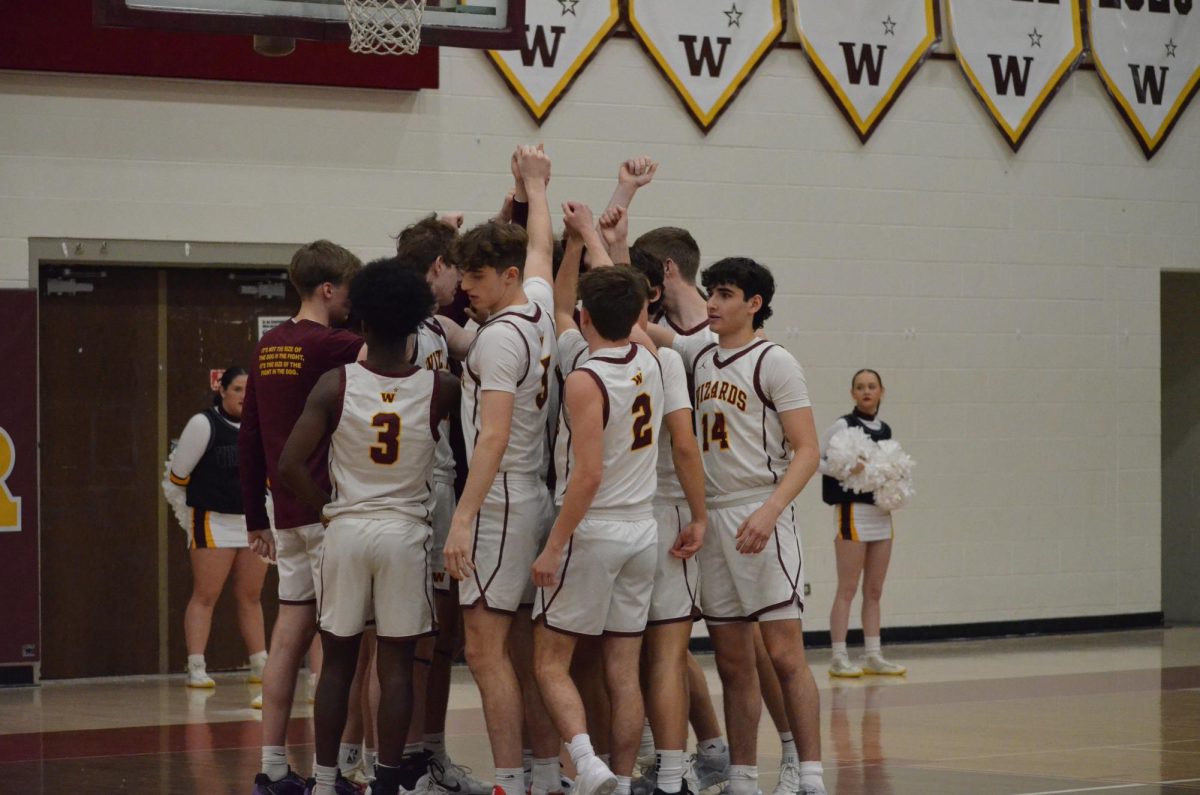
568 7
1171 47
1035 38
889 27
735 17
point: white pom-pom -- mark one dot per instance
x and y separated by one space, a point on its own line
176 497
847 449
886 469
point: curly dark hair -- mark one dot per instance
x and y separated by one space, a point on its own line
751 277
390 298
426 240
614 298
491 245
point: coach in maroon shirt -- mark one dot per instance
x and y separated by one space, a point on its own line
289 360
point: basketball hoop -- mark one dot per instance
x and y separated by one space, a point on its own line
385 27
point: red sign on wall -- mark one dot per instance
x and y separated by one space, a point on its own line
20 641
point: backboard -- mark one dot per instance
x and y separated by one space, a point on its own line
475 24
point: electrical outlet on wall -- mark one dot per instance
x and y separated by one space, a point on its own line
807 589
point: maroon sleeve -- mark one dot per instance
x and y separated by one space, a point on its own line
340 347
520 213
252 460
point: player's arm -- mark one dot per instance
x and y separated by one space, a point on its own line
663 337
535 174
566 284
193 443
496 410
458 339
585 404
685 453
614 231
801 433
632 175
312 426
252 474
578 219
449 393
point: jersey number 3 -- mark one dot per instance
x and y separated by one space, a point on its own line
387 450
643 433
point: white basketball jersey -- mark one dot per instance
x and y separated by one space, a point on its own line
433 353
676 396
381 451
631 382
507 355
541 293
738 397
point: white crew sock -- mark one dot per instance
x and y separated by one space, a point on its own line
545 777
326 778
743 780
623 785
258 661
348 755
647 746
789 747
872 645
580 748
812 774
840 648
511 780
274 761
435 744
196 663
714 747
670 771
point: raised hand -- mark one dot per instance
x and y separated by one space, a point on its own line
614 226
637 172
578 218
534 165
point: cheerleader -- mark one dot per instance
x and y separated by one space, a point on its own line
202 486
863 543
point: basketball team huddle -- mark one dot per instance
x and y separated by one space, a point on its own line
633 451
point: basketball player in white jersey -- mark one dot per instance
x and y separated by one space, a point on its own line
497 525
760 449
382 416
426 246
679 498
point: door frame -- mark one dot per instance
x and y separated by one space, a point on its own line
93 253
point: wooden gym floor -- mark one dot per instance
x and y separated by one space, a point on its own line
1113 712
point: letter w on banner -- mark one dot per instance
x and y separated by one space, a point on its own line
1016 54
561 36
1148 56
866 51
707 49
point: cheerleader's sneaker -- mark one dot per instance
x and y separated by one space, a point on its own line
841 666
256 702
256 671
197 676
875 664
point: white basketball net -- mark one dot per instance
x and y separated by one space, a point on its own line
385 27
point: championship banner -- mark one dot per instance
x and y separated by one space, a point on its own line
561 37
1016 54
1147 53
707 49
866 51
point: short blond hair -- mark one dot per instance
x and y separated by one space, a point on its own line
319 262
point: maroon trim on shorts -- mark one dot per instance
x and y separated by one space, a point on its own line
327 633
726 619
561 582
693 616
795 599
482 602
753 346
312 601
612 633
503 539
541 619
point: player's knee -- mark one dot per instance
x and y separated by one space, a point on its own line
204 598
872 591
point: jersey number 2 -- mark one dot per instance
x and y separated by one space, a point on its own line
643 433
387 450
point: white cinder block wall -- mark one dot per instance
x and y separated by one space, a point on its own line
1010 302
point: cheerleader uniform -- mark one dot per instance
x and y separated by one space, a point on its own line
856 517
202 482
